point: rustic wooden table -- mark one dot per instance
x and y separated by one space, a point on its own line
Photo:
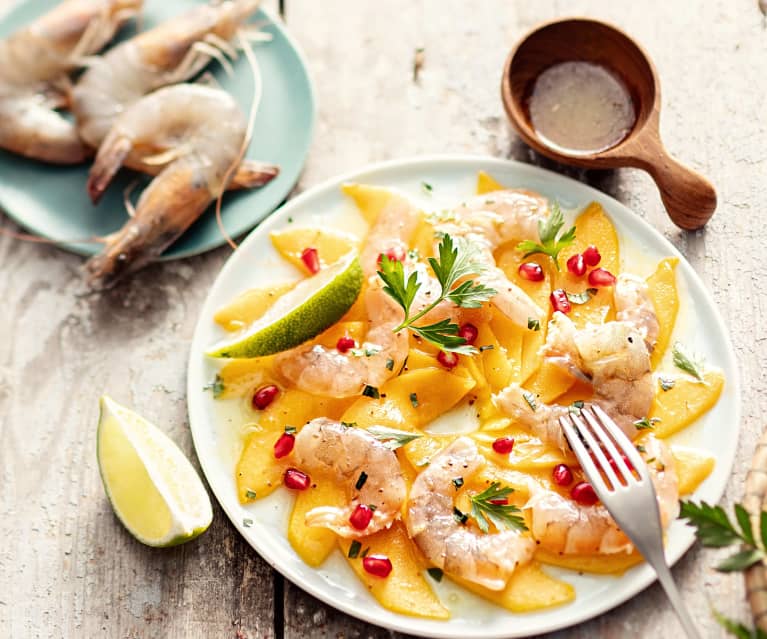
67 567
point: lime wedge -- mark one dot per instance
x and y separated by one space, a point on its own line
302 313
153 489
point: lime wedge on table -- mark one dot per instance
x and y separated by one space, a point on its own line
302 313
154 490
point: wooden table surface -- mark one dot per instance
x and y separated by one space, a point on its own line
67 567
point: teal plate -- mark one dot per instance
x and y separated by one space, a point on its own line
51 200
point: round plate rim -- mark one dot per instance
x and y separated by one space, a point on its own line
79 248
425 627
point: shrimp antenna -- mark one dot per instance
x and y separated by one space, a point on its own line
258 87
36 239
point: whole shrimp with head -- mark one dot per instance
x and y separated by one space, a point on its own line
34 63
487 559
206 130
562 526
332 373
613 357
341 454
486 222
172 52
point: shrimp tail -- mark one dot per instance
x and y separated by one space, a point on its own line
252 174
110 157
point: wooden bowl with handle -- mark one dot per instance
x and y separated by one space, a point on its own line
689 198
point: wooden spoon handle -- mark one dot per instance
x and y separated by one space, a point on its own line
689 198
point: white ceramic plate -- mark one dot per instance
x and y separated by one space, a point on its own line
453 178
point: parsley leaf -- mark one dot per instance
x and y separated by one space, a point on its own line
738 630
646 423
501 515
687 362
403 291
583 297
391 437
548 230
217 386
533 324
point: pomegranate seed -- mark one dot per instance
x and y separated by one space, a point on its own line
601 277
559 300
378 565
583 493
469 332
264 396
361 517
503 445
447 359
577 265
395 254
296 479
502 501
562 475
311 260
531 271
284 445
344 344
591 256
626 461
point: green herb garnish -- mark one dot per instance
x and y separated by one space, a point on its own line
687 362
250 494
501 515
247 522
486 347
645 423
533 324
427 188
349 424
714 530
435 574
361 480
460 517
737 629
217 386
390 364
457 259
391 437
458 482
550 244
371 391
581 298
290 430
414 400
530 399
354 549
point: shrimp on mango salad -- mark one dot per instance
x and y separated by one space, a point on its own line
494 317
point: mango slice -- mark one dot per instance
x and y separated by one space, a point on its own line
529 588
331 245
312 543
258 473
693 466
405 590
487 184
663 293
240 377
592 226
495 363
248 306
370 200
293 407
615 564
512 338
549 382
681 405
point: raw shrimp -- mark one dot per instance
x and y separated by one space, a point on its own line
612 357
633 305
487 559
488 221
329 448
330 373
206 129
560 525
172 52
34 63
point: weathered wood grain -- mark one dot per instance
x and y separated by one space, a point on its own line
67 569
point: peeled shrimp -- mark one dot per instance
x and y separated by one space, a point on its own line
205 128
329 448
488 221
482 558
170 53
634 306
560 525
612 357
330 373
34 63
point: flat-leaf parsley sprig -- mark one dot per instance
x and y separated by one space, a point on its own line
457 259
493 504
550 244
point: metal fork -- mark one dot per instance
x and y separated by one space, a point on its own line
631 502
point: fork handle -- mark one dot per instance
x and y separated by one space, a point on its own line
657 560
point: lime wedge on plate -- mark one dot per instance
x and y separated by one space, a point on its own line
154 490
302 313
